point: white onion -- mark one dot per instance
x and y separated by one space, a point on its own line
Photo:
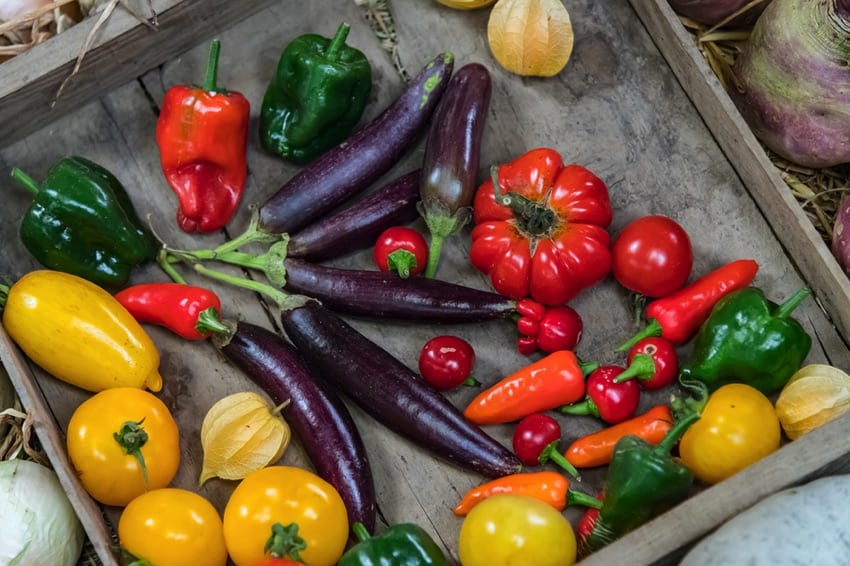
40 527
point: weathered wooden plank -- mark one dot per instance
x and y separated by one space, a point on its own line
124 48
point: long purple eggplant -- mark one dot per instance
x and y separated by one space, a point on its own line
379 294
316 414
452 154
393 394
355 164
360 224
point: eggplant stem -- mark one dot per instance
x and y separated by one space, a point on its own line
434 251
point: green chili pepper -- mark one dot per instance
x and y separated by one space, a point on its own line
316 97
643 482
749 339
405 544
82 222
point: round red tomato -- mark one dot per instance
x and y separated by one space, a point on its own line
652 256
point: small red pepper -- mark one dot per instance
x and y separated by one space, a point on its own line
588 521
546 384
653 362
610 401
547 329
535 442
202 134
677 317
402 250
188 311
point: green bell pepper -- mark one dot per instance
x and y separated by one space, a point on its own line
82 222
749 339
643 482
405 544
316 97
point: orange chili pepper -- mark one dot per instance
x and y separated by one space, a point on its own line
551 488
596 449
557 379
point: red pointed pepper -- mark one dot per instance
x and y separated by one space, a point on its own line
677 317
202 134
188 311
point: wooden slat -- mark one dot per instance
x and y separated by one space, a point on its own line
124 49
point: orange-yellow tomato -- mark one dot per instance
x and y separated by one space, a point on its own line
285 495
465 4
172 527
108 473
738 427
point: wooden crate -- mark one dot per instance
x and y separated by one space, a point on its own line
124 49
617 109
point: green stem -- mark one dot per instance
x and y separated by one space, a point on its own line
551 454
165 264
402 262
583 499
470 382
588 367
132 437
281 299
4 295
360 531
652 329
531 217
785 308
641 367
210 321
25 181
285 542
211 75
434 251
586 407
336 44
675 433
252 234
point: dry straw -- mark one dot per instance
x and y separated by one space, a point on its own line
818 191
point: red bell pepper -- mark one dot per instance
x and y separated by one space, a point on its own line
547 329
202 134
677 317
541 228
188 311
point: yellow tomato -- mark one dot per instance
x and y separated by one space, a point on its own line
79 333
506 530
108 473
285 495
738 427
172 527
465 4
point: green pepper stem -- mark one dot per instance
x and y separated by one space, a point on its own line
211 75
4 295
470 382
652 329
285 542
25 181
583 499
642 367
588 367
335 45
532 217
586 407
788 306
551 454
674 434
402 262
360 531
132 437
210 321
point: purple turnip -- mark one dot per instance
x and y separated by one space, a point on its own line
841 234
793 81
712 12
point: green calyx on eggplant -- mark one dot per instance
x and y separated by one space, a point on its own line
792 81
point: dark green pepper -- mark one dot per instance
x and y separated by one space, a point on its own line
643 482
749 339
405 544
316 97
82 222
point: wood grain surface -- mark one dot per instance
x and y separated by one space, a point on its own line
616 108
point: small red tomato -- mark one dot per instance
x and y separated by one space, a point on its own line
652 256
607 399
653 361
536 439
446 362
402 250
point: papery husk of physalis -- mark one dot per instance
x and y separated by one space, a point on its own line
530 37
242 433
815 395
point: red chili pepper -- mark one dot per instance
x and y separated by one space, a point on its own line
677 317
202 134
446 362
188 311
610 401
402 250
546 384
653 362
547 329
535 442
541 228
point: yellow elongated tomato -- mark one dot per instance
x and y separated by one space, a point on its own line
506 530
143 456
465 4
738 427
79 333
285 495
172 527
531 37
